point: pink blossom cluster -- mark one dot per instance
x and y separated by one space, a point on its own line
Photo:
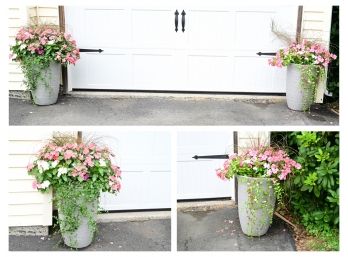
306 53
74 160
259 162
45 41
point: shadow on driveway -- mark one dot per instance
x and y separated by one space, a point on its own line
219 230
164 111
151 235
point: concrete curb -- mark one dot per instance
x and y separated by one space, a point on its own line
133 216
183 96
204 205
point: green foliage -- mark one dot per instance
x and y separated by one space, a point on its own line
333 71
313 192
311 75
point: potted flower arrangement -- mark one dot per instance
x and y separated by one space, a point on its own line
77 173
306 63
40 51
258 172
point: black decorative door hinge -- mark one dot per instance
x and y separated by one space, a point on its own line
84 50
270 54
219 156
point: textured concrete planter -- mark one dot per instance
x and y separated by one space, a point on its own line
299 96
256 202
47 89
83 236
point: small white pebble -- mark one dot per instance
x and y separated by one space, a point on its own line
120 246
42 238
111 243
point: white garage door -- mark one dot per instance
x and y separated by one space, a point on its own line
196 178
144 158
142 50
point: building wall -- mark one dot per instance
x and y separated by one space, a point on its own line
26 206
20 16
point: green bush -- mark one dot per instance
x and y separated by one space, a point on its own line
312 193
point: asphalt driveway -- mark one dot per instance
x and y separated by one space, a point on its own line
164 111
149 235
219 230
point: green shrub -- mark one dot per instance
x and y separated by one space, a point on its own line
313 192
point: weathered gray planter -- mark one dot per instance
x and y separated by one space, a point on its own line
256 202
83 236
47 89
299 96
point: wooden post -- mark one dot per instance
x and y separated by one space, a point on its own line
61 14
299 24
79 137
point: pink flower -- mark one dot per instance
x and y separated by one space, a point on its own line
30 166
35 185
88 162
69 154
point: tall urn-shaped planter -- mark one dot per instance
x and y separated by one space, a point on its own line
301 84
41 50
77 214
306 62
259 172
76 173
256 201
47 88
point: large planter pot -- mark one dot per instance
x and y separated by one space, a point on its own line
47 88
256 201
299 93
84 234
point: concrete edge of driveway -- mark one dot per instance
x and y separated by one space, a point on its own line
204 205
183 96
133 216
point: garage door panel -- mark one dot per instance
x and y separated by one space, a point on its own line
251 73
209 29
209 73
197 178
153 28
153 71
91 72
206 57
145 175
105 27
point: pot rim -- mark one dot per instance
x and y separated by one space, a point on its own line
255 178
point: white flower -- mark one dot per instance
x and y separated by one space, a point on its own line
62 170
255 168
23 46
45 184
54 164
247 161
266 165
43 166
102 163
51 42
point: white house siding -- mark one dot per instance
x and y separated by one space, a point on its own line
26 206
20 16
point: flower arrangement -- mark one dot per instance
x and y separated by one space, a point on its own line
75 163
265 162
76 173
38 45
305 53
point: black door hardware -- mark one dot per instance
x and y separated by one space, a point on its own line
176 20
219 156
83 50
183 20
270 54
